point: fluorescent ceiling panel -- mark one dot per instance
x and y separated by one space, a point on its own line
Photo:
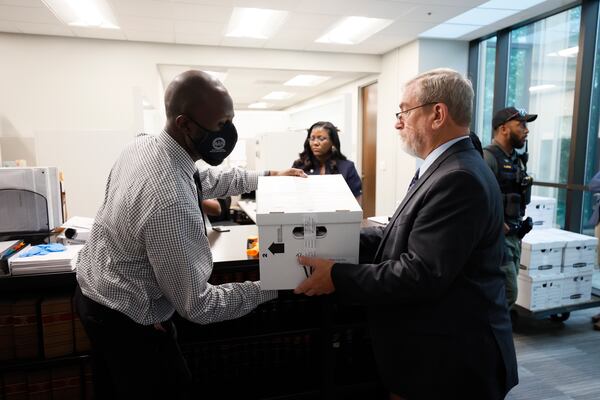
256 23
353 30
259 105
279 96
307 80
84 13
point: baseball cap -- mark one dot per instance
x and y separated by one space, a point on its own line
510 113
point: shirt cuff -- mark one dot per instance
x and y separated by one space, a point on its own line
266 295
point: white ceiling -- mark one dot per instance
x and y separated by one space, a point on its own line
203 22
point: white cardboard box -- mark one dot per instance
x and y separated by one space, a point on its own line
315 216
576 289
539 293
542 211
541 253
580 252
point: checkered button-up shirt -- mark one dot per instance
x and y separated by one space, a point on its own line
148 255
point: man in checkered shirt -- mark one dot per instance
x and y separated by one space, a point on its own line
148 255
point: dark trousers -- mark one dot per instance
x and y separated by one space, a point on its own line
129 360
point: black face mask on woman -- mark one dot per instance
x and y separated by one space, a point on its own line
215 146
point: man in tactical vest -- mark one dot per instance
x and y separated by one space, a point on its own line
510 168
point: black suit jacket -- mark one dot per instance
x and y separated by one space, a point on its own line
432 283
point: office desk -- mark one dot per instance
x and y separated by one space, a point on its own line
263 355
249 207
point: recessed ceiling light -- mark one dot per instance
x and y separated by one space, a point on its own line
85 13
255 23
307 80
260 104
353 30
279 95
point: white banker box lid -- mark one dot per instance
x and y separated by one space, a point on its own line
315 216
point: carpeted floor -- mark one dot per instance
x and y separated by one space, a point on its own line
558 361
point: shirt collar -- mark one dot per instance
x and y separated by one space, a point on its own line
177 153
438 151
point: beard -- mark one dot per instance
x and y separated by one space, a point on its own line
516 142
411 141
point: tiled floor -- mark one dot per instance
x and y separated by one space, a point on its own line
558 361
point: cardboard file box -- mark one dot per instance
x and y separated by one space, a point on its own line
542 211
314 216
580 252
576 289
541 254
539 293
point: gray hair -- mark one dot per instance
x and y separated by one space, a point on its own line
444 85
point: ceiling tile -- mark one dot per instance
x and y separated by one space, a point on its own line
242 42
205 13
44 29
431 13
40 15
331 7
317 22
97 33
198 39
190 27
140 8
290 5
9 26
376 9
150 36
22 3
146 24
206 2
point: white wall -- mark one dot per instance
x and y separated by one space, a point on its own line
339 106
395 168
51 85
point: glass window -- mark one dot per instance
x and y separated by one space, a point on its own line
485 89
592 161
541 79
561 200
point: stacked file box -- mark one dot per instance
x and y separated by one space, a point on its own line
540 277
542 211
556 269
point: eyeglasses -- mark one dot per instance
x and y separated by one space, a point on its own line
319 139
406 113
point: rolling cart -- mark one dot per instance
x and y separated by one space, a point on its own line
558 314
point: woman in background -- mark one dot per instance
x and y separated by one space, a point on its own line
322 155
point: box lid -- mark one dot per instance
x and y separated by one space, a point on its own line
287 199
573 239
539 239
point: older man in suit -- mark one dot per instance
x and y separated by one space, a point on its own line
431 279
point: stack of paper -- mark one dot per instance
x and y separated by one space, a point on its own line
62 261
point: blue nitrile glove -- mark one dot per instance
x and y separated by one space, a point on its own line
43 249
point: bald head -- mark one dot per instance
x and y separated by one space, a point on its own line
193 90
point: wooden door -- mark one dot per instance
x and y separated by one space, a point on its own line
369 147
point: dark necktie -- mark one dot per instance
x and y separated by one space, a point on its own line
414 179
199 194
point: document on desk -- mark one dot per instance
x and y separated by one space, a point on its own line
62 261
383 220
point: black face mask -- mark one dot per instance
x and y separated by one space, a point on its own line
215 146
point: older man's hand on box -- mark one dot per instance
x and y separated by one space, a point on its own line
319 282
